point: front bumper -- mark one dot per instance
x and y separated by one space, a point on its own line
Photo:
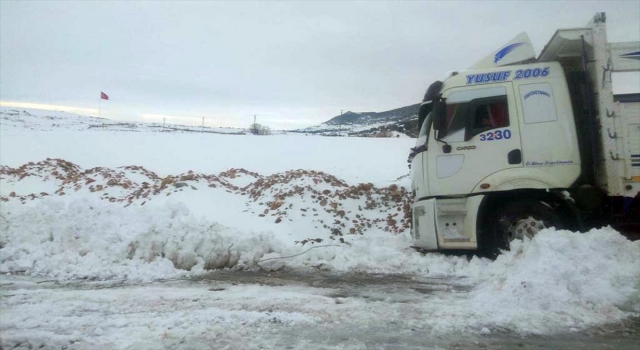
450 223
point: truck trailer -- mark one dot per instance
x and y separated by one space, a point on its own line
516 144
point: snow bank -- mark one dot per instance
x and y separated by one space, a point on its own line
71 237
87 238
565 279
300 204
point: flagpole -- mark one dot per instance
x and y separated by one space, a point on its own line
100 107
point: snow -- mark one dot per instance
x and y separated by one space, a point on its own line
546 280
45 120
358 160
97 208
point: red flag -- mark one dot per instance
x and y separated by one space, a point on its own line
104 96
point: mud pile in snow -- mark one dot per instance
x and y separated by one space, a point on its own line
299 193
63 221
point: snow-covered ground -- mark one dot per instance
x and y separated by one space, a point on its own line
109 239
45 120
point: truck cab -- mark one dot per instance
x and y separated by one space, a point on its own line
516 144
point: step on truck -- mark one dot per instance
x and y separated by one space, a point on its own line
516 144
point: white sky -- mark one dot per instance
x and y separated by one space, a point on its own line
293 64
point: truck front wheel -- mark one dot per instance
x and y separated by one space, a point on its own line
523 219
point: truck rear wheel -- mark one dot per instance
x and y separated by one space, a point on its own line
522 219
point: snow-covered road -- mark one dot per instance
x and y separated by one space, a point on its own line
275 310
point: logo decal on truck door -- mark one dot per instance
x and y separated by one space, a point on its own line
536 92
632 55
549 163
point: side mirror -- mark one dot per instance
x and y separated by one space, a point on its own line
439 113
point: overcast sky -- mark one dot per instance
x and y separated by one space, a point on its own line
293 64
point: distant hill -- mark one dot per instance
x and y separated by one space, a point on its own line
397 121
45 120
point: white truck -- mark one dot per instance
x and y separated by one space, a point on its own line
517 143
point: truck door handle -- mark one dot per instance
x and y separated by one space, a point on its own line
515 156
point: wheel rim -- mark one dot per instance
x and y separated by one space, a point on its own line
525 228
520 228
517 220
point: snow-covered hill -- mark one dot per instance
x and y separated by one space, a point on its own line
394 123
43 120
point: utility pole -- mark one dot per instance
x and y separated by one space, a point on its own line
163 121
202 130
340 127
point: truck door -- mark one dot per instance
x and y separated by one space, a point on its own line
482 129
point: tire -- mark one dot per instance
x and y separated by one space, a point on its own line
521 219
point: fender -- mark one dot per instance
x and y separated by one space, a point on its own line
561 176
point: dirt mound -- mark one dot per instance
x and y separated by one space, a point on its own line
295 194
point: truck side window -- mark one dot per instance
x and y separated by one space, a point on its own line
455 122
487 114
472 111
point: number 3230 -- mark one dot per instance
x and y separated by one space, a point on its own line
496 135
